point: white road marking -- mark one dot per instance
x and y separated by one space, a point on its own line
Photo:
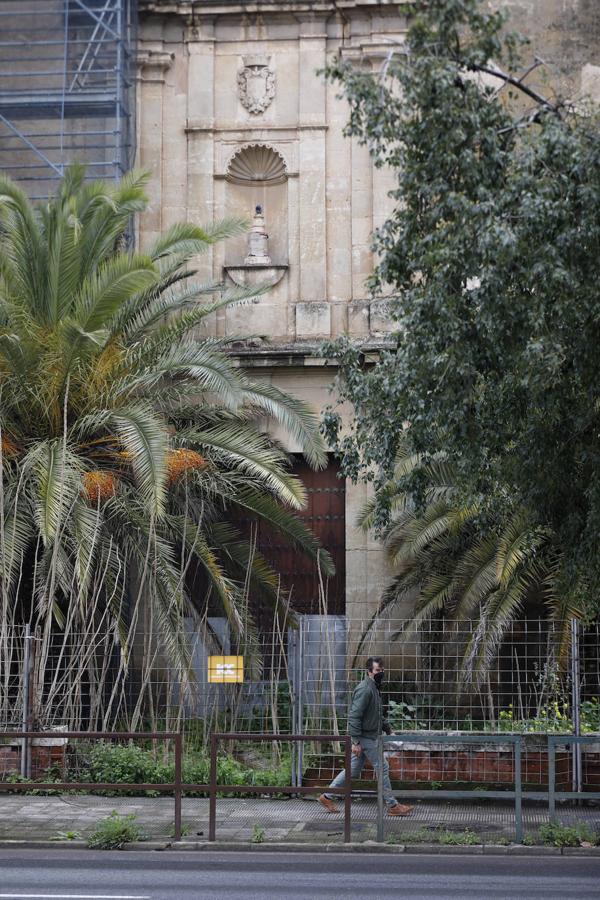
74 896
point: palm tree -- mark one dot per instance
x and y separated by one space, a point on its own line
129 445
458 562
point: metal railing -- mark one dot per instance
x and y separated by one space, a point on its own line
175 786
516 794
215 788
579 794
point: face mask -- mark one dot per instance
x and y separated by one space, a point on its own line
378 678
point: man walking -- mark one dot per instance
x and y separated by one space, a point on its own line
365 724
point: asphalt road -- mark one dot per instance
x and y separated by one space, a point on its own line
83 875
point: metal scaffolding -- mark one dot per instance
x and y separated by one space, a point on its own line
66 89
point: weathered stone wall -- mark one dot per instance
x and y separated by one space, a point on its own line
193 117
196 62
565 34
192 120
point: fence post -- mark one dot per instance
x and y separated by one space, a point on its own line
551 780
293 688
178 754
348 790
576 779
212 801
380 789
26 713
300 726
518 792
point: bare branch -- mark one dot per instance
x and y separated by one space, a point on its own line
517 83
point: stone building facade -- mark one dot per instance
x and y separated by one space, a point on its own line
233 114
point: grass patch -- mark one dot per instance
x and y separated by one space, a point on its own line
421 836
466 838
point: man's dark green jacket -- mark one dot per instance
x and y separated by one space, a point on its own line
365 718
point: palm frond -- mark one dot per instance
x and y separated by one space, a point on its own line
186 240
282 522
211 371
295 416
102 294
249 451
56 472
144 439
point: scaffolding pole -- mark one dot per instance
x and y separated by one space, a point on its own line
66 89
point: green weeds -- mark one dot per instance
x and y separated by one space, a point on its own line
67 836
466 838
557 835
114 831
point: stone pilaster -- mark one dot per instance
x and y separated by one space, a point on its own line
153 63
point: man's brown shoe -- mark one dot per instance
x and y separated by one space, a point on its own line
400 810
328 804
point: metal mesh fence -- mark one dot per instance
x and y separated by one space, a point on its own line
300 681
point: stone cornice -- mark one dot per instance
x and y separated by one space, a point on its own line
259 132
200 8
153 62
300 353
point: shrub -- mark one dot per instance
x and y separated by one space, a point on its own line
567 835
392 839
47 777
128 764
590 716
124 764
114 831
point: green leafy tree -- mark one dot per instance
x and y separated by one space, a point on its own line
129 444
489 260
458 563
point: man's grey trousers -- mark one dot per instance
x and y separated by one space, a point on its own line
369 752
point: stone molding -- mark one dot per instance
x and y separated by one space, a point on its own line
153 63
259 132
299 353
371 51
244 275
199 8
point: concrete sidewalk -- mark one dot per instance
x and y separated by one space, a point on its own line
25 817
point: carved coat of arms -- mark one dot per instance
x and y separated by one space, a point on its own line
256 84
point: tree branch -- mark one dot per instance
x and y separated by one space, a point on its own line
518 83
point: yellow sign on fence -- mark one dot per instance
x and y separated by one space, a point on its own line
225 669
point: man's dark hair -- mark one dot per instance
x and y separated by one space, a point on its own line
373 659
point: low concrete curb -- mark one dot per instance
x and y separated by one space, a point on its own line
365 847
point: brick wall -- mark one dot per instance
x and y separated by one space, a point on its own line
42 758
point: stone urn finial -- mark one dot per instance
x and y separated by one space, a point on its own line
258 241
